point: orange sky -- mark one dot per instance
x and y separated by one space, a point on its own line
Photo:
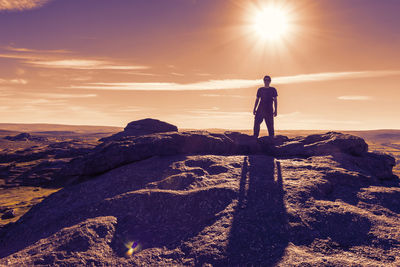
198 64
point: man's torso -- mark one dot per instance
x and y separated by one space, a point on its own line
267 97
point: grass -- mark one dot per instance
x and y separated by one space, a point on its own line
21 199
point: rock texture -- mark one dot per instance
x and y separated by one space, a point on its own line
38 164
142 127
202 199
110 155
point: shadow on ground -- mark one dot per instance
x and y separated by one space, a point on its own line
258 234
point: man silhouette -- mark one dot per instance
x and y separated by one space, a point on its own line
266 111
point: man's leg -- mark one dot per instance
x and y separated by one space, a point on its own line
269 121
258 118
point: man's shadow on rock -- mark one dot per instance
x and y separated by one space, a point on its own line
258 234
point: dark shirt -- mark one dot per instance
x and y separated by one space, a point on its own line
267 98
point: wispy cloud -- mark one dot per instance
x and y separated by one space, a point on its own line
61 96
20 56
86 64
225 95
29 102
62 59
327 76
177 74
82 78
13 81
30 50
237 83
355 97
141 73
165 86
21 4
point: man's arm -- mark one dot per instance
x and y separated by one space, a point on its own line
275 106
255 105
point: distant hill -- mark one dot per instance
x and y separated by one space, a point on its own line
43 127
377 135
6 133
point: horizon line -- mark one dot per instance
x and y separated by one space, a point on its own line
183 128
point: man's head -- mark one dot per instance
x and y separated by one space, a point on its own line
267 80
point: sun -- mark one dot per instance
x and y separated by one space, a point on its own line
271 23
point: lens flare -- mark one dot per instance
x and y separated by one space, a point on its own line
133 247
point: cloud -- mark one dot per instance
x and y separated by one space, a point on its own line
62 96
82 78
235 83
19 56
13 81
43 101
327 76
62 59
86 64
142 73
30 103
177 74
29 50
165 86
354 97
225 95
20 5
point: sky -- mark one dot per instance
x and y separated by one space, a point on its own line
199 63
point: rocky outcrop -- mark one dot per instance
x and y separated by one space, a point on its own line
114 154
142 127
25 137
323 144
37 165
202 199
215 210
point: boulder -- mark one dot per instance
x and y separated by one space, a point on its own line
322 144
371 164
142 127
